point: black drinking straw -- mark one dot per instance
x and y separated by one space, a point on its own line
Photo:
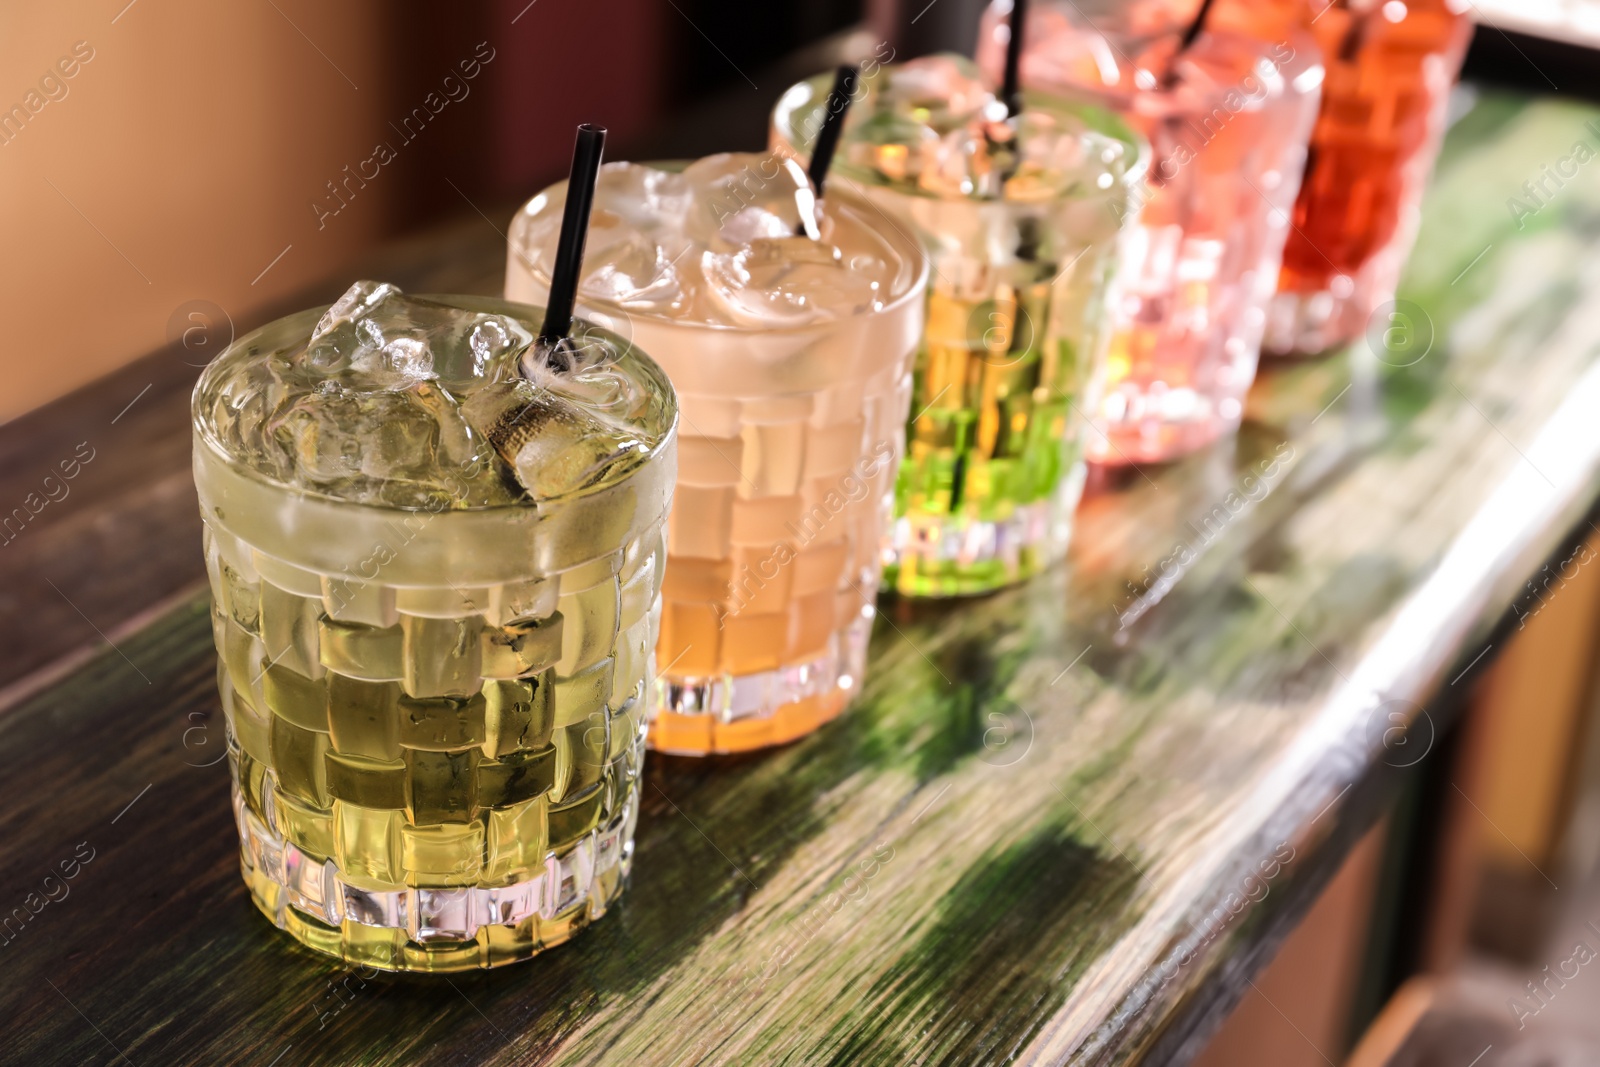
839 99
564 275
1189 37
1011 83
1354 35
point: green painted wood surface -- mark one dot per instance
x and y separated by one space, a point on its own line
1028 842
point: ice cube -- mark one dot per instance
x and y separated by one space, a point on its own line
583 367
941 90
1035 157
749 225
609 393
646 197
373 407
409 448
959 165
377 338
314 449
730 257
932 125
739 197
897 131
892 144
368 408
634 236
788 281
552 445
621 263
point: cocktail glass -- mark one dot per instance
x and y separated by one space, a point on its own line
1390 67
1021 220
1227 118
432 662
791 358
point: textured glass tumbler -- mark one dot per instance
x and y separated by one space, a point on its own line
435 717
1227 121
1390 69
788 445
1016 328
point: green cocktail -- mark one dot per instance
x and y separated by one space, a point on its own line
435 566
1021 217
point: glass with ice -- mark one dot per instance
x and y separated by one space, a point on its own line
1390 68
435 556
1021 218
1227 116
791 357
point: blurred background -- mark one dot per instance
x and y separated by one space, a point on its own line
232 155
179 171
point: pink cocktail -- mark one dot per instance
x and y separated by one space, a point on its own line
1227 117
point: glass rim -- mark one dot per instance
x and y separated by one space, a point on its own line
1185 97
1095 118
900 233
529 315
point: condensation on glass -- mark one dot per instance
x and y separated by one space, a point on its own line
435 602
791 356
1022 217
1227 120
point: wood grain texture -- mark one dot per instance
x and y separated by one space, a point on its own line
1036 837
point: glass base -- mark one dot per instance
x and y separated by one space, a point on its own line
738 713
1317 323
956 555
409 928
1161 442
